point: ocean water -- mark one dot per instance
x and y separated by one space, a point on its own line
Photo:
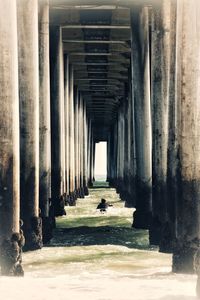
99 257
100 178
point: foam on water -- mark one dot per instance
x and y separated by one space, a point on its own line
99 257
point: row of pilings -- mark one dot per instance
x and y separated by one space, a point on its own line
47 139
154 147
46 136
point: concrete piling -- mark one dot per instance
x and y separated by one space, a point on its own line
45 125
28 50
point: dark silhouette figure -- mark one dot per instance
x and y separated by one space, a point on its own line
103 205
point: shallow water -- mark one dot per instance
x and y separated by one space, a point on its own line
100 257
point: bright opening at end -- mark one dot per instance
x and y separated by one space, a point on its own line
101 161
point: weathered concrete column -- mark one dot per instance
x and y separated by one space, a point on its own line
109 156
133 144
63 123
121 146
79 148
93 164
71 138
118 154
11 238
168 66
45 126
82 194
172 159
188 119
160 231
89 152
112 154
126 173
76 142
128 157
66 89
160 108
29 121
132 155
141 95
121 149
91 158
115 154
57 121
85 139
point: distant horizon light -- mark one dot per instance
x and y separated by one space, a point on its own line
101 161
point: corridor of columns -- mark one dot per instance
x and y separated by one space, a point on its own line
76 73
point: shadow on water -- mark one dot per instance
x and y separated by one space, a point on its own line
101 235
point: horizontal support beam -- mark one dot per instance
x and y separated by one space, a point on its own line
101 71
118 54
105 108
102 100
108 99
109 107
96 90
100 119
106 93
100 88
109 115
102 112
78 26
111 91
96 118
114 74
101 67
88 80
102 103
99 63
102 93
89 7
106 117
103 85
96 104
117 3
98 79
97 42
99 102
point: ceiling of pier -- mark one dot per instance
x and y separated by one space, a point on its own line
96 36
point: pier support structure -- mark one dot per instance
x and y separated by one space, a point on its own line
142 114
188 123
44 125
28 53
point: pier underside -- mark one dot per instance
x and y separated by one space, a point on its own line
76 73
